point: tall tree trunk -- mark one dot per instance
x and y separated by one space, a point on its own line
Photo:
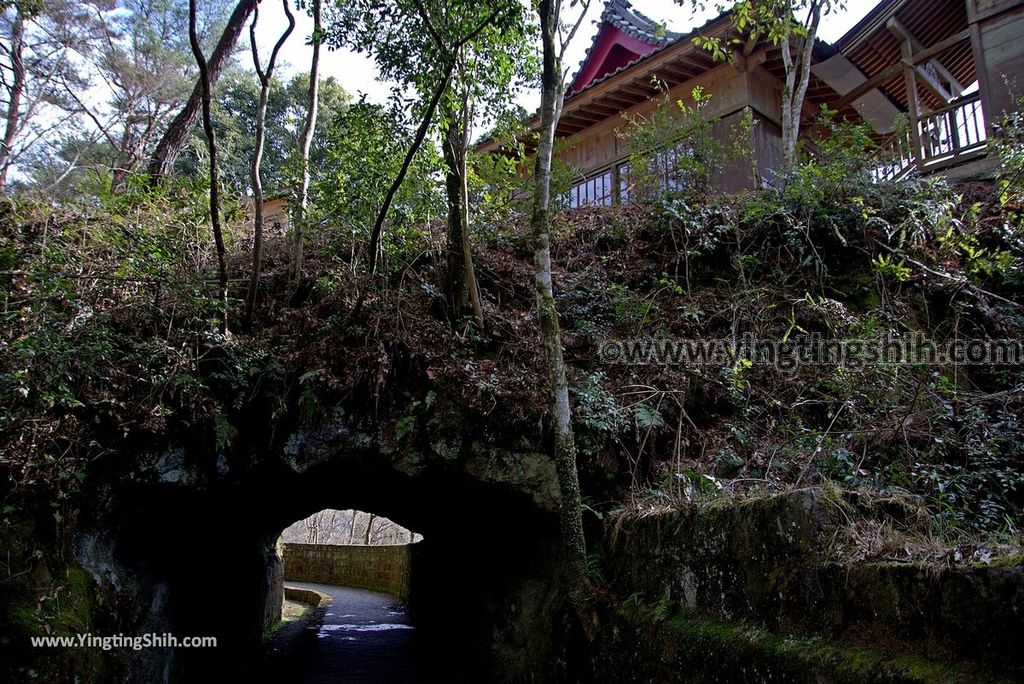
421 133
298 222
461 285
369 526
177 133
565 448
211 144
788 90
17 88
467 247
455 271
257 157
798 77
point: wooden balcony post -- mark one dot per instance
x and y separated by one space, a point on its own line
910 81
913 103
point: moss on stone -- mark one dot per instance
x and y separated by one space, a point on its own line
62 608
740 647
1010 561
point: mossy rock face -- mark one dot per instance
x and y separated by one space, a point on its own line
765 561
634 644
737 560
949 612
169 533
67 608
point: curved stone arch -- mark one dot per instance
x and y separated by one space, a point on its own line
189 539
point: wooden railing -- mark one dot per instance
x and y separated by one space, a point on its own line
949 135
894 159
956 130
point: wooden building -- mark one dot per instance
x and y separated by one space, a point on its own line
949 67
276 212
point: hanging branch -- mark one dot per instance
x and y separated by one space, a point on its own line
257 157
211 144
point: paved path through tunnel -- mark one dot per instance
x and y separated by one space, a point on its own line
367 637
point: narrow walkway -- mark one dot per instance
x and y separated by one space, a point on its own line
366 637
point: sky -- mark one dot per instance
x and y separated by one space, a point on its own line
358 75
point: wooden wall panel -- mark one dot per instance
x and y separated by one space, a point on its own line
766 94
1001 44
598 146
731 90
766 145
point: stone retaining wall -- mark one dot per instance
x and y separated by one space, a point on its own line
314 599
755 587
377 568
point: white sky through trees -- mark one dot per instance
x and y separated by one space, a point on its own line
358 74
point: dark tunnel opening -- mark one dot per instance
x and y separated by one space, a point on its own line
481 583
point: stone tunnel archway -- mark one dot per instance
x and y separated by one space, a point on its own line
188 545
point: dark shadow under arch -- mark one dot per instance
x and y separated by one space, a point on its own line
482 581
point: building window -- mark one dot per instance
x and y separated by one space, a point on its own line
667 167
596 190
663 171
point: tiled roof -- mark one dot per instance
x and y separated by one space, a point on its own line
621 15
621 12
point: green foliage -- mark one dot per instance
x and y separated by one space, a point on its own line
648 417
673 151
698 229
494 187
364 150
828 196
597 409
774 20
982 489
123 65
632 312
735 377
109 323
842 163
887 267
498 193
980 263
223 432
587 309
404 427
234 114
1010 149
405 48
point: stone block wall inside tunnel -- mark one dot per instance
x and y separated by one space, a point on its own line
377 568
